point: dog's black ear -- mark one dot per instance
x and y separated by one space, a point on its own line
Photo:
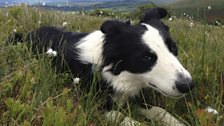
113 26
155 13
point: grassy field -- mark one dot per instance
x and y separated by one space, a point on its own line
31 93
199 9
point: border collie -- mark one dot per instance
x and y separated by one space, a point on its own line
130 57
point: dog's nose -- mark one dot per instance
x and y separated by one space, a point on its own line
184 85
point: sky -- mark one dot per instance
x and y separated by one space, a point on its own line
41 1
28 1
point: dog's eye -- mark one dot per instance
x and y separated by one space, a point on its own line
146 58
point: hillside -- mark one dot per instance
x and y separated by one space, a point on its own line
197 3
124 5
76 5
199 8
82 1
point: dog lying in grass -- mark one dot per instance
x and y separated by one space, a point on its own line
128 57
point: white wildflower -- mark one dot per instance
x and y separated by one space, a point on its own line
191 24
65 24
101 12
207 34
209 7
170 19
14 30
39 22
211 110
184 14
76 80
51 53
217 23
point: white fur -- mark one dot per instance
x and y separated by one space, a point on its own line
161 115
91 48
129 122
114 116
165 72
126 82
163 75
91 52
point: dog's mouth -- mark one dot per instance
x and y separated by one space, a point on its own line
164 93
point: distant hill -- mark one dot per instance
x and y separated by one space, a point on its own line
31 2
75 5
75 1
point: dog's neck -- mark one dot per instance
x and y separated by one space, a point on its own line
90 48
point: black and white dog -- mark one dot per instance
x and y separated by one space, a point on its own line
130 57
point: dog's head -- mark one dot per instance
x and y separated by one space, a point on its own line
143 55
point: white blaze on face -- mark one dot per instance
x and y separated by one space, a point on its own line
165 72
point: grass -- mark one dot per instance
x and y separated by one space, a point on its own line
196 9
32 93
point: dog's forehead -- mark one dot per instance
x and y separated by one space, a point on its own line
153 38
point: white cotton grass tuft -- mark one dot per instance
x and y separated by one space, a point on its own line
207 34
51 53
76 80
65 24
217 23
170 19
209 7
191 24
14 30
211 110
